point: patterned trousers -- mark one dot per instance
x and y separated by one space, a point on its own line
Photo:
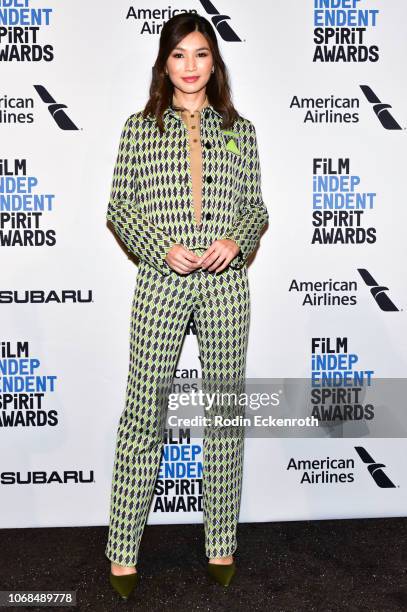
162 307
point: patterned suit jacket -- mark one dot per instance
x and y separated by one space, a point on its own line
151 204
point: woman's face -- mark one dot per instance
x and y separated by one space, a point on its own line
192 57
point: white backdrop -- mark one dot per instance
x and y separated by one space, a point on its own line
57 458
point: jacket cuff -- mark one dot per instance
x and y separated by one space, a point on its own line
239 260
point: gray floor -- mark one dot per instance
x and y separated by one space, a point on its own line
325 566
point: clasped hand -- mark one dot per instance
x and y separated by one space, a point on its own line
215 259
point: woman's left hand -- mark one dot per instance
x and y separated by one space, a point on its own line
219 255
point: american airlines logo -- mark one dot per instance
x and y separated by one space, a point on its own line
220 22
375 469
381 109
378 292
56 109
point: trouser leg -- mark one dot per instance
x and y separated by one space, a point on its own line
222 322
160 312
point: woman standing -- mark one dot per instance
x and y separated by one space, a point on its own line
186 200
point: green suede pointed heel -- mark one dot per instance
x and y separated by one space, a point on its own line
223 574
123 585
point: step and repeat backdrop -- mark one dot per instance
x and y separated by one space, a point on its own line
324 82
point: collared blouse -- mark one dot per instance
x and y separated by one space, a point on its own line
192 121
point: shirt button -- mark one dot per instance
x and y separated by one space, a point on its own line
208 179
208 145
208 216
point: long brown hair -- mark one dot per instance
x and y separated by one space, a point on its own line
161 88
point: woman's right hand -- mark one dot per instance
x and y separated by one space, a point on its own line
181 259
